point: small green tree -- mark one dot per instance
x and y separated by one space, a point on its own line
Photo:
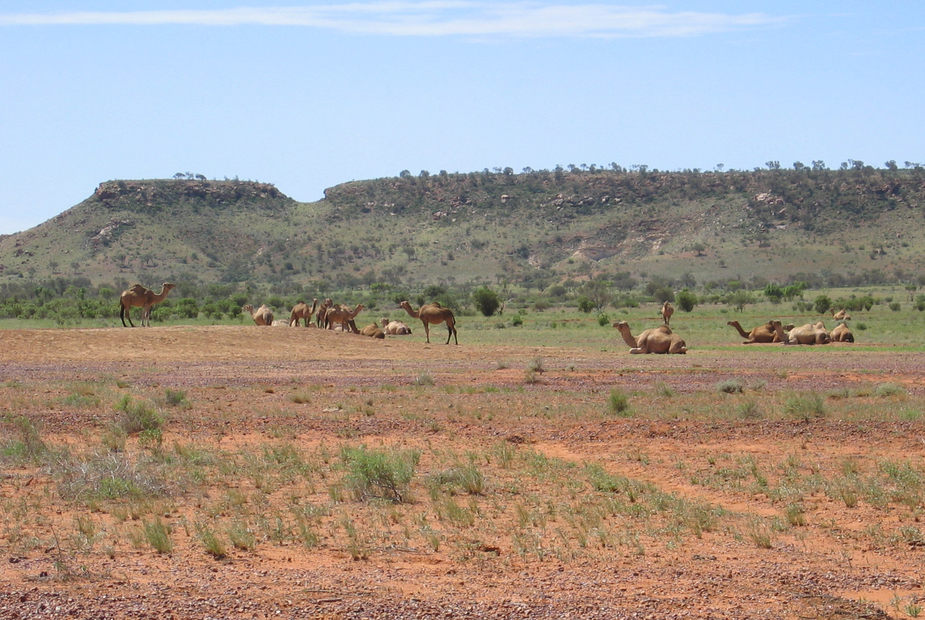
686 300
774 293
486 300
822 304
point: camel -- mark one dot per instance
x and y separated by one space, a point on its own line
769 332
143 297
667 311
394 328
656 340
342 315
373 331
841 315
841 333
810 333
322 311
303 312
433 313
262 316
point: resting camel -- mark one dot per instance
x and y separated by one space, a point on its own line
769 332
656 340
343 315
395 328
373 331
143 297
811 333
303 312
667 311
433 313
262 316
841 315
841 333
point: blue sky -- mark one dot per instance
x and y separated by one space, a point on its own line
311 94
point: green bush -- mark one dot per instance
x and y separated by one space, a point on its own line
486 300
379 473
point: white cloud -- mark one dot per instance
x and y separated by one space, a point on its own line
431 19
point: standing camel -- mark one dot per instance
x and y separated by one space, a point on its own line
142 297
342 315
303 312
436 314
667 311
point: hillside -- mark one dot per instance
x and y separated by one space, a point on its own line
852 226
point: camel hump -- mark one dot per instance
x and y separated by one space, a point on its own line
138 288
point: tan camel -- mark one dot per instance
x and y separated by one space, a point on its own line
395 328
373 331
433 313
262 316
769 332
343 316
143 297
841 333
667 311
810 333
322 311
303 312
656 340
841 315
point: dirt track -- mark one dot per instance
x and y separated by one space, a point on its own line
249 388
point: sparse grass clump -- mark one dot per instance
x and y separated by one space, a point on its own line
618 403
885 390
135 417
379 473
805 407
27 443
158 536
730 386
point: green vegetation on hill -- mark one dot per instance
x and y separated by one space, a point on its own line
536 230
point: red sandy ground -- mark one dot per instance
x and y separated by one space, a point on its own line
822 570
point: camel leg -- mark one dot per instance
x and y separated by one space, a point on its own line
128 314
427 332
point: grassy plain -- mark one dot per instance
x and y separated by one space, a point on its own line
536 470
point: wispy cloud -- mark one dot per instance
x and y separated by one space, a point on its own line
432 19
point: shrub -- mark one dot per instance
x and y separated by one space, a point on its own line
379 473
686 300
822 304
486 300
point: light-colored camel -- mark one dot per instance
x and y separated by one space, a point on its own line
394 328
769 332
303 312
373 331
338 314
667 311
262 315
433 313
142 297
841 333
810 333
841 315
656 340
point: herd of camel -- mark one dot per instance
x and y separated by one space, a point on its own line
662 339
329 315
